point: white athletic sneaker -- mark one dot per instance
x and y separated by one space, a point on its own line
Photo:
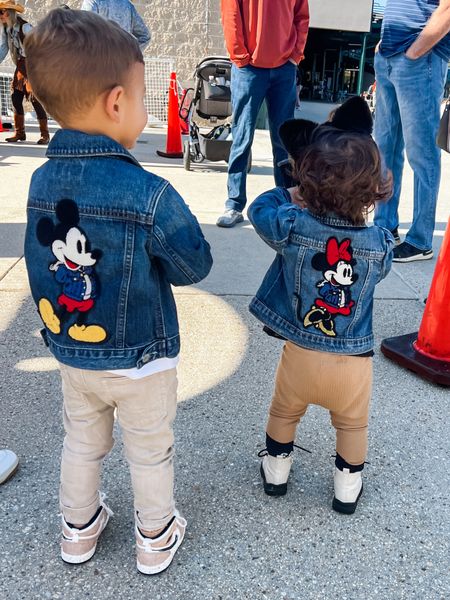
154 555
230 218
348 488
8 464
275 473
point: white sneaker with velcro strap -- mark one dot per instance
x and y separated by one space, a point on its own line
155 555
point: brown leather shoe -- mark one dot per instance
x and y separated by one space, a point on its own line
45 136
19 126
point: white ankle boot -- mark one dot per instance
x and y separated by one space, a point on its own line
348 488
275 473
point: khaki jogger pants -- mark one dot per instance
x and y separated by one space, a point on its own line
145 410
341 384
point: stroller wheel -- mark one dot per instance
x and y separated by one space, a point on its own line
187 155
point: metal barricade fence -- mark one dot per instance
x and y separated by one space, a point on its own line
157 76
6 76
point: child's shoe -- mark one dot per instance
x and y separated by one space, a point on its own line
348 488
79 545
154 555
275 473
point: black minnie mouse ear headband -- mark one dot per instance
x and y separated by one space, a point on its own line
353 116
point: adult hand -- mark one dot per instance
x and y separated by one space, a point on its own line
412 54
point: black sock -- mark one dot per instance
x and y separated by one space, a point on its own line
342 464
275 448
161 532
97 512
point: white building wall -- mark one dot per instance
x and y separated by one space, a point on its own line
345 15
187 30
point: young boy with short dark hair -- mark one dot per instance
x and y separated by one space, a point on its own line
105 240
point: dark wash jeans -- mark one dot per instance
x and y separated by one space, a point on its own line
249 87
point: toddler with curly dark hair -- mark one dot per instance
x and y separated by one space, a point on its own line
318 293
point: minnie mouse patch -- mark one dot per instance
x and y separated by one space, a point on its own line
74 270
336 265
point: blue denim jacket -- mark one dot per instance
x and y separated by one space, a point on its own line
105 240
318 292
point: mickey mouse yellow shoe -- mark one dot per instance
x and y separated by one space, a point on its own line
87 333
48 315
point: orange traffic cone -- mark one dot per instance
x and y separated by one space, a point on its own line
174 147
427 352
4 126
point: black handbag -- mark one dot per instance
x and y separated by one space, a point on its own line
443 138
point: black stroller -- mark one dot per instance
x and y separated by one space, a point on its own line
209 100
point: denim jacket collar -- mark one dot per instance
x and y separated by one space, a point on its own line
335 220
70 143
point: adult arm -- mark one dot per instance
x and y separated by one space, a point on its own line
4 48
90 5
178 242
301 24
233 29
437 27
272 215
140 30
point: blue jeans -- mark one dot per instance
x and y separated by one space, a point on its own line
409 93
249 86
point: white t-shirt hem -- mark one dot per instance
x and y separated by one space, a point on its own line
155 366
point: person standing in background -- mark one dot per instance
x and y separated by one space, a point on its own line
265 40
124 13
411 70
13 30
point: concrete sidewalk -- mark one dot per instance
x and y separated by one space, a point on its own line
240 543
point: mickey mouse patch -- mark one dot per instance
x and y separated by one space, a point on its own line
74 270
336 265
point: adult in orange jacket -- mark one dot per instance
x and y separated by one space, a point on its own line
265 40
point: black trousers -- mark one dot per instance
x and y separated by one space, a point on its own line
17 101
